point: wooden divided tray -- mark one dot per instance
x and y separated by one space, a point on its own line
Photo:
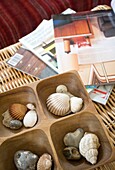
48 133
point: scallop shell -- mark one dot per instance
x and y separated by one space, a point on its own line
88 147
44 162
17 111
76 104
58 104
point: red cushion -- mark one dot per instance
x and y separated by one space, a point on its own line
20 17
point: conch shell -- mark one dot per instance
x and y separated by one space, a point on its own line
17 111
76 104
58 104
44 162
88 147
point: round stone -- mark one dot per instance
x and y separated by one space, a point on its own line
25 160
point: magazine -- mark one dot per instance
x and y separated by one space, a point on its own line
38 57
99 94
25 61
41 42
85 42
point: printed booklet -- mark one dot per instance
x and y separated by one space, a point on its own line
85 42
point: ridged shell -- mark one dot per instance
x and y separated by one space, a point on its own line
44 162
17 111
76 104
88 147
58 104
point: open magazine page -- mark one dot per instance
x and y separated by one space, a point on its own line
41 42
85 42
99 94
113 5
25 61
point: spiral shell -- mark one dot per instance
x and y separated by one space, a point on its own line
88 147
58 104
76 104
44 162
17 111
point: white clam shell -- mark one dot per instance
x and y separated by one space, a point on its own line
76 104
88 147
58 104
30 118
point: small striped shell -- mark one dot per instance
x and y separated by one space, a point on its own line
58 104
44 162
17 111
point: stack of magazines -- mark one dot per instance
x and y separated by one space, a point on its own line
83 41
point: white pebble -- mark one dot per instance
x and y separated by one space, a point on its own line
30 118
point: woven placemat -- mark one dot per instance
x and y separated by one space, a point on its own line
11 78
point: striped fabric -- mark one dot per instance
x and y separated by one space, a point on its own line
20 17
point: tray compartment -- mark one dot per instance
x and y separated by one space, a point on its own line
90 123
73 83
21 95
35 141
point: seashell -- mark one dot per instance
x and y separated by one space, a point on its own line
30 118
71 153
44 162
25 160
76 104
58 104
88 147
15 124
30 106
7 118
17 111
63 89
73 138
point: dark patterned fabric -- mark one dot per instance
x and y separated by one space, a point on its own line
20 17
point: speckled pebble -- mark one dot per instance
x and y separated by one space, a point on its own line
25 160
15 124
